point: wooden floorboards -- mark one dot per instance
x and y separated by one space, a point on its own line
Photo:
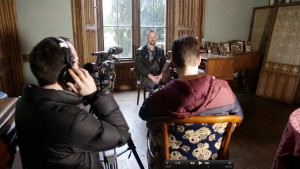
253 144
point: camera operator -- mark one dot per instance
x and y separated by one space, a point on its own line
53 132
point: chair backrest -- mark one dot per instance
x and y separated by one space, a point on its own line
193 138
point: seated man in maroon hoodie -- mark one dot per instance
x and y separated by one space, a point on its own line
191 94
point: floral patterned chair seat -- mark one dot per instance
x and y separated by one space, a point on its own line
194 138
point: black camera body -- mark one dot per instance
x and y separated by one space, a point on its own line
103 70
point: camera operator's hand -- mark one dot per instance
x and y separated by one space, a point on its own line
84 82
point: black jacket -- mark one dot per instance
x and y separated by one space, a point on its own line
142 64
54 133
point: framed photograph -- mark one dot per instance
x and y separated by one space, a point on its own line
248 48
240 45
215 48
225 47
233 48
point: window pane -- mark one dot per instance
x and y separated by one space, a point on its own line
109 12
120 37
159 12
146 15
110 37
117 26
125 41
153 16
161 37
125 13
144 34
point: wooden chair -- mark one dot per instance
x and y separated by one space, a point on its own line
193 138
140 86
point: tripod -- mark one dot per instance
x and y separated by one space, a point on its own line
110 161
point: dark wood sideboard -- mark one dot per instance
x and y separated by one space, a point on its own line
246 64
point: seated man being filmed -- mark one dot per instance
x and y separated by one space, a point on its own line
53 132
190 94
149 61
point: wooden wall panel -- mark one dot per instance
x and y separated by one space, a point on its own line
85 29
291 87
11 65
262 83
6 82
184 18
280 83
270 84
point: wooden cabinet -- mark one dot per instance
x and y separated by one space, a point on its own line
245 61
223 67
219 66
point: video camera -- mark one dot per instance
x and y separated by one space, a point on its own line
103 70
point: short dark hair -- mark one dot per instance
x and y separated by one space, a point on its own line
185 51
47 60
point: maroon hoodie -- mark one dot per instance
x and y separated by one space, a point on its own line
184 98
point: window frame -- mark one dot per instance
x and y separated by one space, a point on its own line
86 42
135 27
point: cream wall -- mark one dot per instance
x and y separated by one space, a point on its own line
229 19
38 19
224 20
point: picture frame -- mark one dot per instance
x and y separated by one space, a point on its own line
215 48
225 47
279 43
247 45
233 48
260 28
240 46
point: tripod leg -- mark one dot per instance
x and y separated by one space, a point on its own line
133 148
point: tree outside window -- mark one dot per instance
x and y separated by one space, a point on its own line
117 25
153 16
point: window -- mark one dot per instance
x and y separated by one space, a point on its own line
117 25
100 24
118 29
153 16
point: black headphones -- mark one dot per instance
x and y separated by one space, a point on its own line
64 76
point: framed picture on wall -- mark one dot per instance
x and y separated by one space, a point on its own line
261 27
